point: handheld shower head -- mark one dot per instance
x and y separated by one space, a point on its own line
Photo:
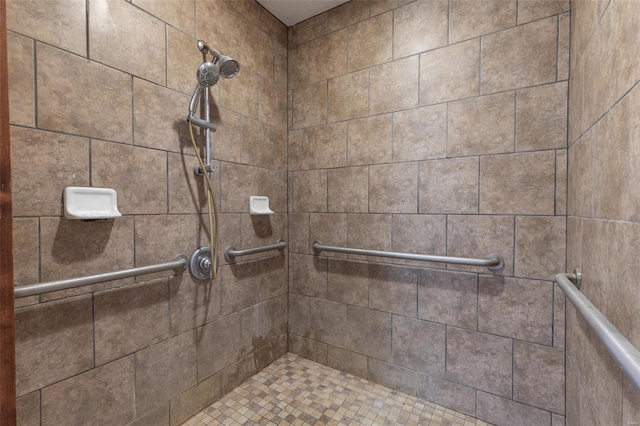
208 74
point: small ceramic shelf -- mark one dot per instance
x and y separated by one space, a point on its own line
259 205
90 203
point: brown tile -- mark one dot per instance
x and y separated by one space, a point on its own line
164 370
157 417
193 399
108 390
62 161
348 189
235 374
564 30
310 105
381 6
538 376
446 393
238 183
272 103
22 97
299 238
393 188
347 14
349 96
257 143
419 345
130 319
298 66
182 59
192 303
483 125
439 179
479 236
28 409
557 420
578 407
177 236
61 24
540 246
370 140
393 289
541 117
520 57
328 56
630 405
298 150
328 146
624 60
576 99
280 148
179 14
240 94
273 184
392 376
559 308
273 27
580 179
517 308
561 182
307 348
468 19
25 255
408 235
186 191
369 332
448 298
309 275
219 345
518 183
280 64
54 341
82 82
348 282
298 319
327 321
450 73
369 231
420 26
273 277
420 133
228 28
226 142
310 29
257 326
257 52
347 361
402 94
240 286
479 360
140 181
141 53
330 229
370 42
597 73
499 410
310 191
530 10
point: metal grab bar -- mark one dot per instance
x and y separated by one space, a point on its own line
494 262
179 264
230 253
626 355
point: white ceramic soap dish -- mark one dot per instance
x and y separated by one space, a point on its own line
90 203
259 205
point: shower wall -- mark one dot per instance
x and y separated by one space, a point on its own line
99 96
603 234
436 127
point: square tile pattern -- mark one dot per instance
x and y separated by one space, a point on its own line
297 391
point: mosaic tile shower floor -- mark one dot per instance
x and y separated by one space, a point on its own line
296 391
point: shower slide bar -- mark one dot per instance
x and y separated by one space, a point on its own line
230 253
179 264
494 262
625 354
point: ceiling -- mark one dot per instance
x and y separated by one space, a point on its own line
290 12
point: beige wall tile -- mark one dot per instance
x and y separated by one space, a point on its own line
479 360
540 246
126 38
298 314
579 411
257 53
218 345
520 57
369 332
240 94
626 50
630 403
402 94
272 103
192 303
108 390
409 232
328 56
140 182
54 341
393 289
310 105
517 308
226 142
499 410
479 236
310 191
273 26
62 24
441 178
369 231
309 275
530 10
257 326
420 26
157 417
298 150
541 117
238 183
370 140
28 409
240 286
347 14
257 143
576 100
561 182
179 233
328 146
370 42
348 282
179 14
450 73
483 125
597 73
280 64
580 176
22 96
468 18
344 360
273 184
583 23
298 67
381 6
538 376
349 96
307 348
61 161
328 321
299 241
420 133
183 59
310 29
348 189
393 188
227 28
518 183
330 229
186 191
392 376
448 297
25 252
559 308
67 89
419 345
448 394
564 29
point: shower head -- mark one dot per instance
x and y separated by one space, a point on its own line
228 66
208 74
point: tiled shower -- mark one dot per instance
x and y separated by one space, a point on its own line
451 127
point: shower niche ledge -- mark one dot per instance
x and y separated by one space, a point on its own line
89 203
